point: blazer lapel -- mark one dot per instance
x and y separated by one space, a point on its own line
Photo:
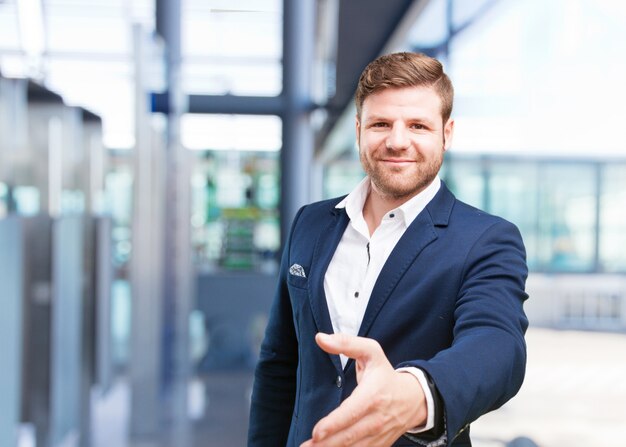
324 249
417 236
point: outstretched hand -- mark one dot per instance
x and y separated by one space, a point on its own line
384 405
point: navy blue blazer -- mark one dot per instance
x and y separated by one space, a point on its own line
448 301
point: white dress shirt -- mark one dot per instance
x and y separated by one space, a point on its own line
358 260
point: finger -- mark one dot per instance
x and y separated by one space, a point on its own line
360 433
351 346
349 413
369 431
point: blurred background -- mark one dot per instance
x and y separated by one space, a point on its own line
153 153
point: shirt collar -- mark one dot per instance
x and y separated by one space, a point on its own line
353 202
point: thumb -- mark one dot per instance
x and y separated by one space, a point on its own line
358 348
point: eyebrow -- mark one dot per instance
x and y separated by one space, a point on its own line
421 119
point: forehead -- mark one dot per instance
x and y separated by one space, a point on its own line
422 100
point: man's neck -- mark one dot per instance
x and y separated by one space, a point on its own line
377 205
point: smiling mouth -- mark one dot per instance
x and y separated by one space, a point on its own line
396 161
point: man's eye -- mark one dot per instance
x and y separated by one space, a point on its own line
379 125
418 126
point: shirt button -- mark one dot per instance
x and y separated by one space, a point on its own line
392 215
356 294
339 382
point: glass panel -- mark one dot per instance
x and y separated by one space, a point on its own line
88 57
613 219
67 328
431 28
121 307
464 11
241 77
221 28
553 205
112 99
235 198
567 217
27 200
118 204
119 194
96 27
341 177
514 75
217 55
11 330
513 195
465 178
224 132
99 34
4 200
9 31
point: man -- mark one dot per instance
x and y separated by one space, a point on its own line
398 316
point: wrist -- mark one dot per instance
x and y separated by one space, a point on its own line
413 395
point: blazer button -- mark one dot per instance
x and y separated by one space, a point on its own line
339 382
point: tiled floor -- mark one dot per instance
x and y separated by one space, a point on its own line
225 422
574 394
222 424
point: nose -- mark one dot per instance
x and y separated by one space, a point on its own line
398 138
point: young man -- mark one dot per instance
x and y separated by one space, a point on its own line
398 315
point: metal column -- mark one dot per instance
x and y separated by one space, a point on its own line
177 267
145 361
297 151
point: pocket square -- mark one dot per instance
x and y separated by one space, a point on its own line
297 270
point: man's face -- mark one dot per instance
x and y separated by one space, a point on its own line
402 139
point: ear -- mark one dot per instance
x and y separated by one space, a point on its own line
448 132
358 131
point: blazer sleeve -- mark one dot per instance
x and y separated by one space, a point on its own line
485 365
274 390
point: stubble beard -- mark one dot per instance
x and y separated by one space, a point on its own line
394 184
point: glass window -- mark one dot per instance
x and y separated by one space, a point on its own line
224 132
567 217
104 88
235 190
513 195
554 205
108 33
4 200
465 178
9 31
518 77
341 177
237 77
88 57
464 11
431 28
27 200
218 57
119 197
613 219
235 199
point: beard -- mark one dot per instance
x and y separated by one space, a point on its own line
401 182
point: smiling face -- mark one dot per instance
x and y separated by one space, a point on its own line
402 138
